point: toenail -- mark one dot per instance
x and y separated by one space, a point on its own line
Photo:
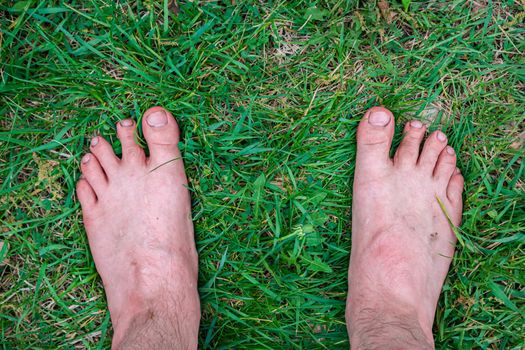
416 124
378 118
157 119
126 122
441 136
450 150
94 141
86 158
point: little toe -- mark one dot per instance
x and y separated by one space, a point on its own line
104 153
374 138
162 135
445 166
93 173
132 153
408 151
454 194
85 194
455 186
432 148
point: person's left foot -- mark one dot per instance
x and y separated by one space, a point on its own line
137 216
403 213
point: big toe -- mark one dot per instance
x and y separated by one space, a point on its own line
162 135
374 138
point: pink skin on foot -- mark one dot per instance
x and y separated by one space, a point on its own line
402 243
137 216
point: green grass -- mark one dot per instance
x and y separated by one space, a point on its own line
268 97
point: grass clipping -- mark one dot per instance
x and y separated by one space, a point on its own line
452 226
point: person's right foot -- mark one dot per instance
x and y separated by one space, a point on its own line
137 214
402 242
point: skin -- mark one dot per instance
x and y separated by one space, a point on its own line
137 216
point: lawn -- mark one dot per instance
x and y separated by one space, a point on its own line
268 95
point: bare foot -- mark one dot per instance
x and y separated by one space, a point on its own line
402 242
137 215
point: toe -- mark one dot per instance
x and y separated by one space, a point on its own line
104 153
408 151
445 166
455 187
162 135
131 151
434 144
93 173
454 194
374 138
86 195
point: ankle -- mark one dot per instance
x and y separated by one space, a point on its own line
387 326
131 313
170 322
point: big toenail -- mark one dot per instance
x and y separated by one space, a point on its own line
94 141
157 119
450 150
441 136
378 118
126 122
416 124
86 158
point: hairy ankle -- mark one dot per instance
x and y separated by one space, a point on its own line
168 322
167 287
387 327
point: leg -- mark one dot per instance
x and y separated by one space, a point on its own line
402 243
137 216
